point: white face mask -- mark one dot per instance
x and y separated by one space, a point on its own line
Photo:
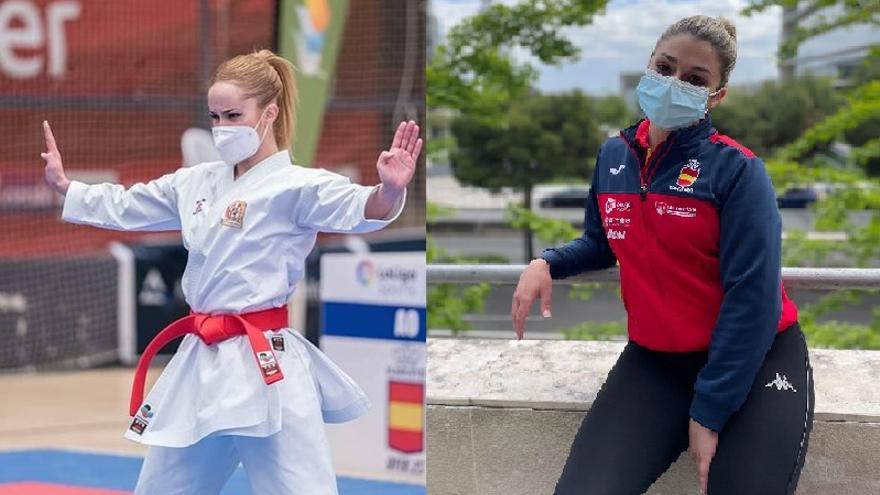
237 143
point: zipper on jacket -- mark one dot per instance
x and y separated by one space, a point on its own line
643 189
649 173
644 179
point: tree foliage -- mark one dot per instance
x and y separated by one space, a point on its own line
776 113
473 72
854 188
613 113
448 304
546 136
825 16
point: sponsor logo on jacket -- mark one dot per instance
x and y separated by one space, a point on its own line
664 208
612 204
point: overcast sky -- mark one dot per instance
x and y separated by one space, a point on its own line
621 39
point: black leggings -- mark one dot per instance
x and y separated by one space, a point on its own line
638 425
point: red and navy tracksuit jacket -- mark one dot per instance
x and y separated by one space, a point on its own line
695 228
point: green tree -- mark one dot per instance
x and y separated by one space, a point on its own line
449 303
821 19
472 70
798 163
612 112
776 113
473 75
546 137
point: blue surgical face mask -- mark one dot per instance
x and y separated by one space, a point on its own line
671 103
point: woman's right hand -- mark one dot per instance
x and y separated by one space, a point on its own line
55 177
534 282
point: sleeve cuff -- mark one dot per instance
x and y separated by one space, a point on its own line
73 201
708 414
553 259
370 224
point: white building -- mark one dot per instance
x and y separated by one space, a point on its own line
837 53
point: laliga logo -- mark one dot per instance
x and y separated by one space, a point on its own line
366 272
387 279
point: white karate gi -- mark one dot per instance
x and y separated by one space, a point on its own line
210 408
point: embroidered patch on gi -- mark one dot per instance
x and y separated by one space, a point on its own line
267 363
199 205
234 216
141 419
146 411
138 425
278 343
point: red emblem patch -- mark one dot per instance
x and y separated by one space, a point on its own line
234 216
689 174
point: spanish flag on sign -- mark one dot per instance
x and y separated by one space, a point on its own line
405 416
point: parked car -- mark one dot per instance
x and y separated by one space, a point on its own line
573 197
797 197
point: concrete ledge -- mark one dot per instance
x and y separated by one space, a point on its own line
501 416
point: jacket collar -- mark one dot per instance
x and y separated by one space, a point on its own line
637 134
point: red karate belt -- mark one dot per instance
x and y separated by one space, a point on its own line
213 329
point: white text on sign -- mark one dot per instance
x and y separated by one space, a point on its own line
28 46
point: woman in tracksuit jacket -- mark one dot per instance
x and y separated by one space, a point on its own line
715 362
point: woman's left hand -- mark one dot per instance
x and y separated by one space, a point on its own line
397 165
703 443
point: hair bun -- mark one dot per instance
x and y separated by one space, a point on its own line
264 55
728 26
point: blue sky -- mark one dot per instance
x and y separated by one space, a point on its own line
621 39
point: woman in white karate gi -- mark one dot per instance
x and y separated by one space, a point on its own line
243 387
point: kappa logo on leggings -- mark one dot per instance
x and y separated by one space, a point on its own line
781 383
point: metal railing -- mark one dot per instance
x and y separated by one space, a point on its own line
794 278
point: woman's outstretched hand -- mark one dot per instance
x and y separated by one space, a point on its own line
55 177
396 169
397 165
534 282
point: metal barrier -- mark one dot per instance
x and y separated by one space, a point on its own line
794 278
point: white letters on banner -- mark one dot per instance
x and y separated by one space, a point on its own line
406 323
22 28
